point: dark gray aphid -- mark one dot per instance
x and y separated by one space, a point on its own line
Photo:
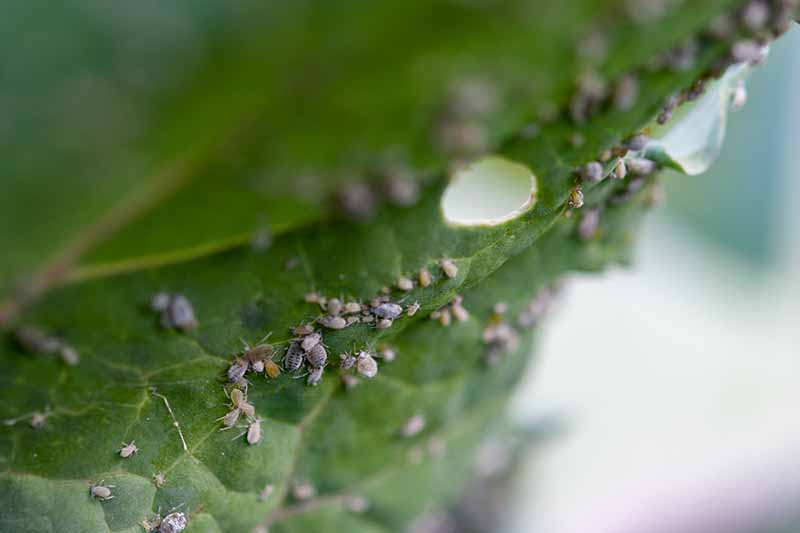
317 357
294 357
388 310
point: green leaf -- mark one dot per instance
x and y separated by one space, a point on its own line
295 89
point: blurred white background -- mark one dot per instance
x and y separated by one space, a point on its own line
679 379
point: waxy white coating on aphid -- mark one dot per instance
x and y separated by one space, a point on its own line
424 277
173 523
575 200
384 323
334 306
387 353
412 309
128 449
366 365
592 172
237 370
332 322
620 170
388 310
413 426
449 268
294 357
303 329
404 284
254 432
101 492
640 166
181 313
317 357
351 308
311 340
314 377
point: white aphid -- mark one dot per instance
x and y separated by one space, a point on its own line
620 170
160 301
180 313
332 322
388 310
303 490
640 166
424 277
334 306
313 297
357 200
254 431
384 323
387 353
400 188
303 329
38 419
413 426
449 268
311 340
592 172
173 523
69 355
404 283
315 376
352 307
366 365
412 309
128 449
459 312
348 361
101 492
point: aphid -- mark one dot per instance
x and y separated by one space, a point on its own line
388 353
334 306
271 369
404 284
314 377
590 221
159 479
128 449
605 156
388 310
258 352
424 277
348 361
180 313
266 492
303 330
332 322
368 319
352 308
293 359
442 315
748 51
459 312
238 400
500 308
257 366
230 418
412 309
366 365
101 492
303 490
38 419
384 323
400 188
160 301
253 433
755 15
413 426
449 268
238 369
35 340
317 357
353 320
592 172
311 340
620 170
640 166
626 92
357 201
349 381
575 200
69 355
313 297
356 504
637 142
173 523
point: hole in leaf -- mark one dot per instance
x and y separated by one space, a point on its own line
489 191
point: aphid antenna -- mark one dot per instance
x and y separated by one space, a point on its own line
172 415
301 375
